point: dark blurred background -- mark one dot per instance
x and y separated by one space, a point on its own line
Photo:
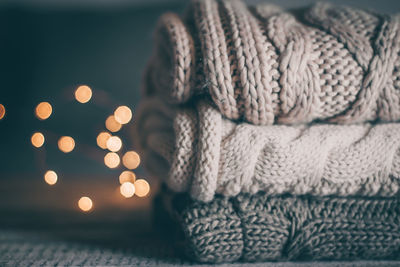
47 49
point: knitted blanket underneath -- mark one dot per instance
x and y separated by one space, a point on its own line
261 228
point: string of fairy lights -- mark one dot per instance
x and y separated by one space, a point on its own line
106 140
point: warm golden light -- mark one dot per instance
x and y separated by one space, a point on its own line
111 160
85 203
50 177
131 160
102 139
123 114
127 176
37 139
112 125
2 111
114 143
83 94
142 188
127 189
43 110
66 144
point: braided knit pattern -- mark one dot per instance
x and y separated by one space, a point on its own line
263 65
261 228
205 154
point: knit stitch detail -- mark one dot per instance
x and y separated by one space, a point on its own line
264 228
215 155
264 66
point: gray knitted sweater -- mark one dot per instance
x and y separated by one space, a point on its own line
264 228
264 65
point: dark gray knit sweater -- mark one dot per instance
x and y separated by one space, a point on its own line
264 228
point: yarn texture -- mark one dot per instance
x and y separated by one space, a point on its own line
264 65
196 150
264 228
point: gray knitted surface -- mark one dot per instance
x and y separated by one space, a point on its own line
264 65
22 248
19 248
261 228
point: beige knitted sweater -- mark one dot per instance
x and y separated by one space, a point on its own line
195 149
220 78
264 65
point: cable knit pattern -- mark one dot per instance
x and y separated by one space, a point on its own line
263 228
263 65
205 154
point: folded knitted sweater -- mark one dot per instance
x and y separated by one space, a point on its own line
263 65
194 149
260 228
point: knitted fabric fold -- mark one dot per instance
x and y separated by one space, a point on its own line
194 149
264 228
263 65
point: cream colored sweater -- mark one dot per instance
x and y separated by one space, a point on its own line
195 149
264 65
221 77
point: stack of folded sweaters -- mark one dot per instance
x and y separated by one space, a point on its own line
277 130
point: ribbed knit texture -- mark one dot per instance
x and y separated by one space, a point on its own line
194 149
22 248
264 65
262 228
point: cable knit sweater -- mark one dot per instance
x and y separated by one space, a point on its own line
263 228
264 65
195 149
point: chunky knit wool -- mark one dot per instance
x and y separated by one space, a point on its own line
263 228
195 149
264 65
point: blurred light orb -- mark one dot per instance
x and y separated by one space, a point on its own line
112 125
37 139
123 114
83 94
114 143
85 203
131 160
66 144
142 188
127 176
43 110
102 139
2 111
127 189
111 160
50 177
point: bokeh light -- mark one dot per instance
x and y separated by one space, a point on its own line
114 143
37 139
142 188
123 114
83 94
127 176
112 125
2 111
127 189
66 144
111 160
43 110
102 139
50 177
131 160
85 203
